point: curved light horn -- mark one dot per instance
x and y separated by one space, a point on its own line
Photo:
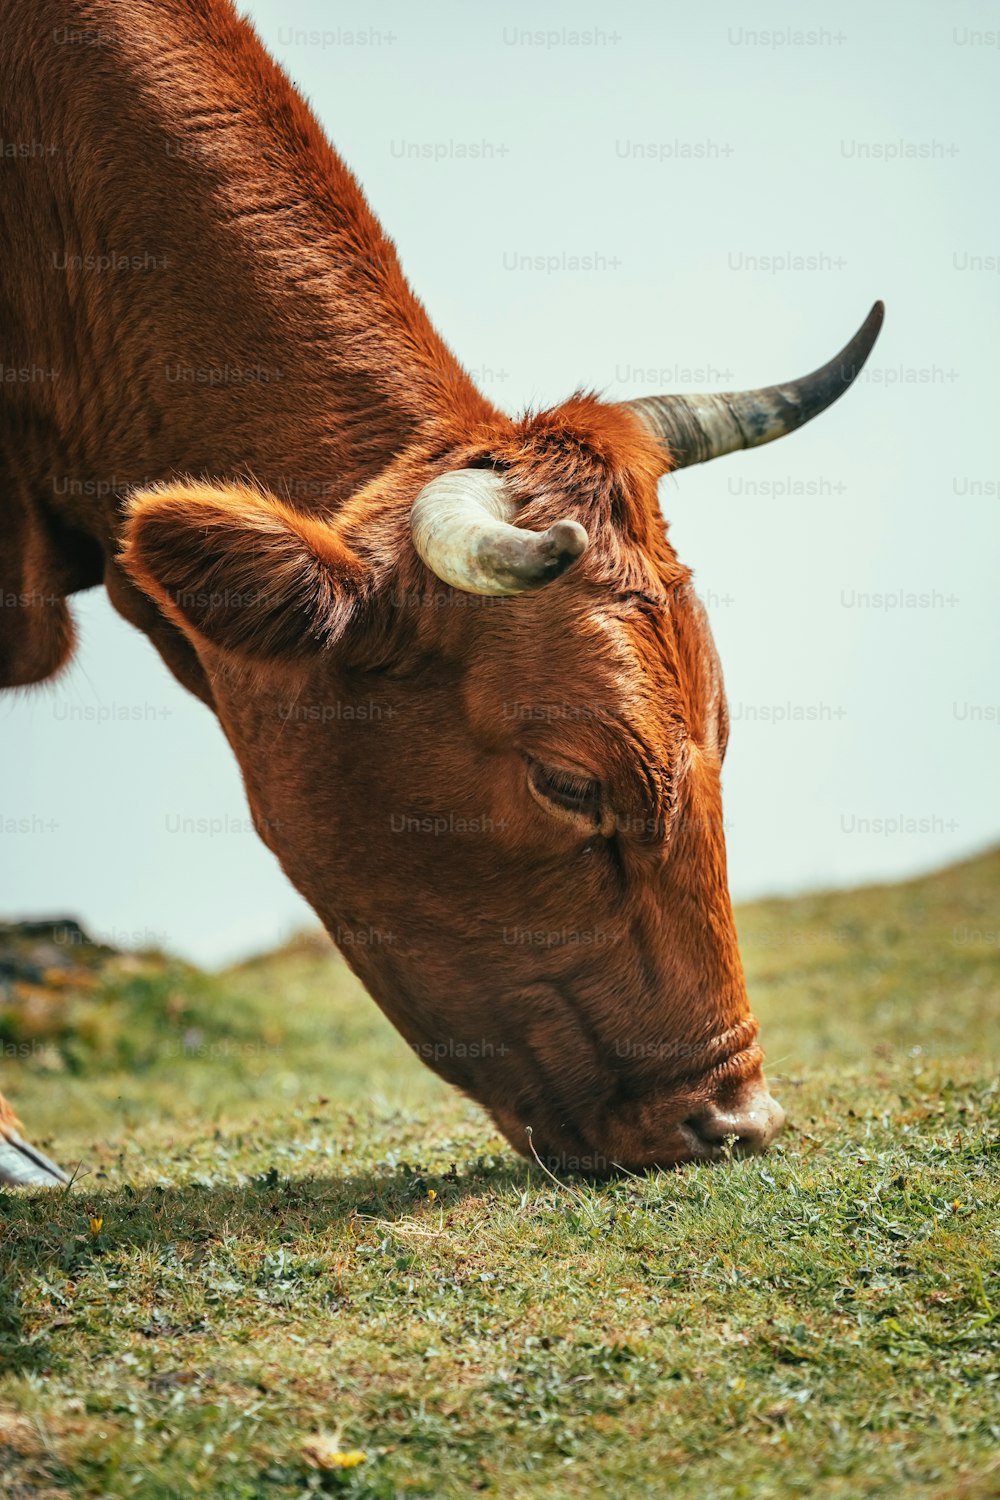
697 428
461 528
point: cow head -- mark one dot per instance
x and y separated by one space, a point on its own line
481 722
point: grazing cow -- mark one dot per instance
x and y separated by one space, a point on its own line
472 692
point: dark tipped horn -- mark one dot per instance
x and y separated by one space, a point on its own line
697 428
461 525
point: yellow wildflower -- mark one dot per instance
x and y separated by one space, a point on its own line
325 1453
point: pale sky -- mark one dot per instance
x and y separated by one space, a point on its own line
740 195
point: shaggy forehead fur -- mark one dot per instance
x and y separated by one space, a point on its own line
594 463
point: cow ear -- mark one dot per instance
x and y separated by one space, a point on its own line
239 570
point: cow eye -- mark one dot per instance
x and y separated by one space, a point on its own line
565 792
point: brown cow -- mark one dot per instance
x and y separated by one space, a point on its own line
473 695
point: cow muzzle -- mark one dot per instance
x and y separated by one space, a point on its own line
738 1119
745 1122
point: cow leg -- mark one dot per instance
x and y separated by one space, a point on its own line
36 630
42 559
22 1165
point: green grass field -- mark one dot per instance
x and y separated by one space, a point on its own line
299 1264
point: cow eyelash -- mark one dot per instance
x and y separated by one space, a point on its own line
575 793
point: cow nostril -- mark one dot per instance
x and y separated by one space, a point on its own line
714 1130
751 1120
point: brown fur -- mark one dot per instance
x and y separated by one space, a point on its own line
265 549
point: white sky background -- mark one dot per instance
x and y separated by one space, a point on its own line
896 490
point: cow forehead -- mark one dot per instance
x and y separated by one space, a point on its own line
660 665
643 669
604 645
615 700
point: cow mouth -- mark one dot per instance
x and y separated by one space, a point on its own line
706 1115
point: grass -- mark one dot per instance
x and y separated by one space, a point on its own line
295 1244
